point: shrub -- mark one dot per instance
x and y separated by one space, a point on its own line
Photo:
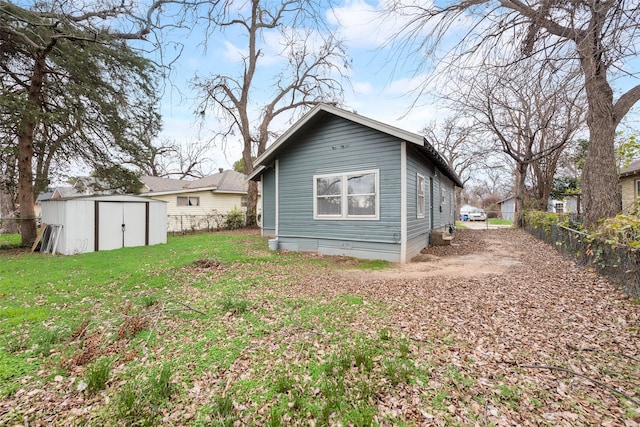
622 229
235 219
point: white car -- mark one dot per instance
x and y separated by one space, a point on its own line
477 215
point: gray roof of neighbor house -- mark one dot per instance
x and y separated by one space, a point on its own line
65 193
632 169
228 181
322 110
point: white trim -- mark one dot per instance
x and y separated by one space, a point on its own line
262 206
184 191
420 215
344 205
403 202
277 201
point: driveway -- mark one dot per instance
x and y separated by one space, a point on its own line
483 225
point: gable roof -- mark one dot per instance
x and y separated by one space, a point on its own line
228 181
632 169
323 110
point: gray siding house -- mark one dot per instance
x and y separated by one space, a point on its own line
338 183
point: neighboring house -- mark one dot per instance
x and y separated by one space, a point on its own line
200 204
630 186
568 205
507 208
84 186
338 183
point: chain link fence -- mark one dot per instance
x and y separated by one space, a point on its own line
11 225
619 263
183 224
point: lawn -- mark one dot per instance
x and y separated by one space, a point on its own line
215 329
162 319
9 240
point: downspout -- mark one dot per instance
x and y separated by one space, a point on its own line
277 201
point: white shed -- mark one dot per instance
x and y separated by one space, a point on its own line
99 223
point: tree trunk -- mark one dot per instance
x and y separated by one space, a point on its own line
252 193
8 197
25 183
601 195
521 177
26 151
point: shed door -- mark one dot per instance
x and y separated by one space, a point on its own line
134 219
120 224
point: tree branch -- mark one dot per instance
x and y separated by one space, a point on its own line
624 103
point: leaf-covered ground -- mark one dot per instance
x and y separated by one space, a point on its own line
497 329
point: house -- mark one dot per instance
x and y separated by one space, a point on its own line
98 223
630 186
338 183
569 204
83 186
201 204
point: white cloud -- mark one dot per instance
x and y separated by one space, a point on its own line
233 53
362 88
367 26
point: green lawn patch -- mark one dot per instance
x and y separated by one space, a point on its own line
9 240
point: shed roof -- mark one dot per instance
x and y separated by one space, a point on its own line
106 198
322 110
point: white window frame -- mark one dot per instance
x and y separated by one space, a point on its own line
189 204
420 196
637 192
344 205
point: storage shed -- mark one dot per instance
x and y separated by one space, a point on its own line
99 223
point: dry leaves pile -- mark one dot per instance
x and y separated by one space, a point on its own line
506 330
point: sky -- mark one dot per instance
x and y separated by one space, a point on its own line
381 85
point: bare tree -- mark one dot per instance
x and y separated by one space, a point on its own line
171 159
459 144
532 119
462 147
600 36
313 73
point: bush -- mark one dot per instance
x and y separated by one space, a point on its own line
544 220
235 219
622 229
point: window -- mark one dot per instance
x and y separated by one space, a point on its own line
638 189
188 201
244 201
351 195
420 196
559 207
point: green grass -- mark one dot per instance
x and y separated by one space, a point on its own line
10 240
215 329
499 221
92 317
